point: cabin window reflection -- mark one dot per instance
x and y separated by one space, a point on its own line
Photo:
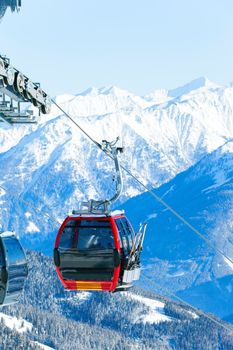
67 235
126 234
96 238
87 235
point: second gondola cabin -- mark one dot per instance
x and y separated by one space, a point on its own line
94 252
13 268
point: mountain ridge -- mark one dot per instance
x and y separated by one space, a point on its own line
55 166
173 255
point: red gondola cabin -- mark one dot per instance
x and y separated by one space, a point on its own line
94 252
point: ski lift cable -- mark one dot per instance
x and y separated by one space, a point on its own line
73 121
181 218
152 193
197 311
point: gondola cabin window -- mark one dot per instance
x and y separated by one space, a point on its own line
126 235
67 235
87 235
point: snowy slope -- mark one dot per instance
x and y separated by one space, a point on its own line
133 320
54 166
43 347
174 256
20 325
155 312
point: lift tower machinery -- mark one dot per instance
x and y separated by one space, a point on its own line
14 5
16 89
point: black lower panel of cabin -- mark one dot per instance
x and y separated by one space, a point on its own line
87 266
95 260
82 274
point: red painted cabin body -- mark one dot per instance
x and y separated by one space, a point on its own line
91 251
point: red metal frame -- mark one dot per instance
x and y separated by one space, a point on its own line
93 285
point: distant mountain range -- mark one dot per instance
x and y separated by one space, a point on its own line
54 167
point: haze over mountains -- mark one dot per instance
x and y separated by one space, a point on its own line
54 166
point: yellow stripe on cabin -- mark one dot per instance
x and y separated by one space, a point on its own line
88 286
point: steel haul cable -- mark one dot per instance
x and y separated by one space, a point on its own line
154 195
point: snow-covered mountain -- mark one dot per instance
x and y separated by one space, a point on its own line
174 256
54 166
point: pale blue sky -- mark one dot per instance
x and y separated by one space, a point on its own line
138 45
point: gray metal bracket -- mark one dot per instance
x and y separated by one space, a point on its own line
16 89
103 206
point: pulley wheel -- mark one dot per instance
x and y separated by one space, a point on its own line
35 100
2 83
9 79
26 91
19 83
46 108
